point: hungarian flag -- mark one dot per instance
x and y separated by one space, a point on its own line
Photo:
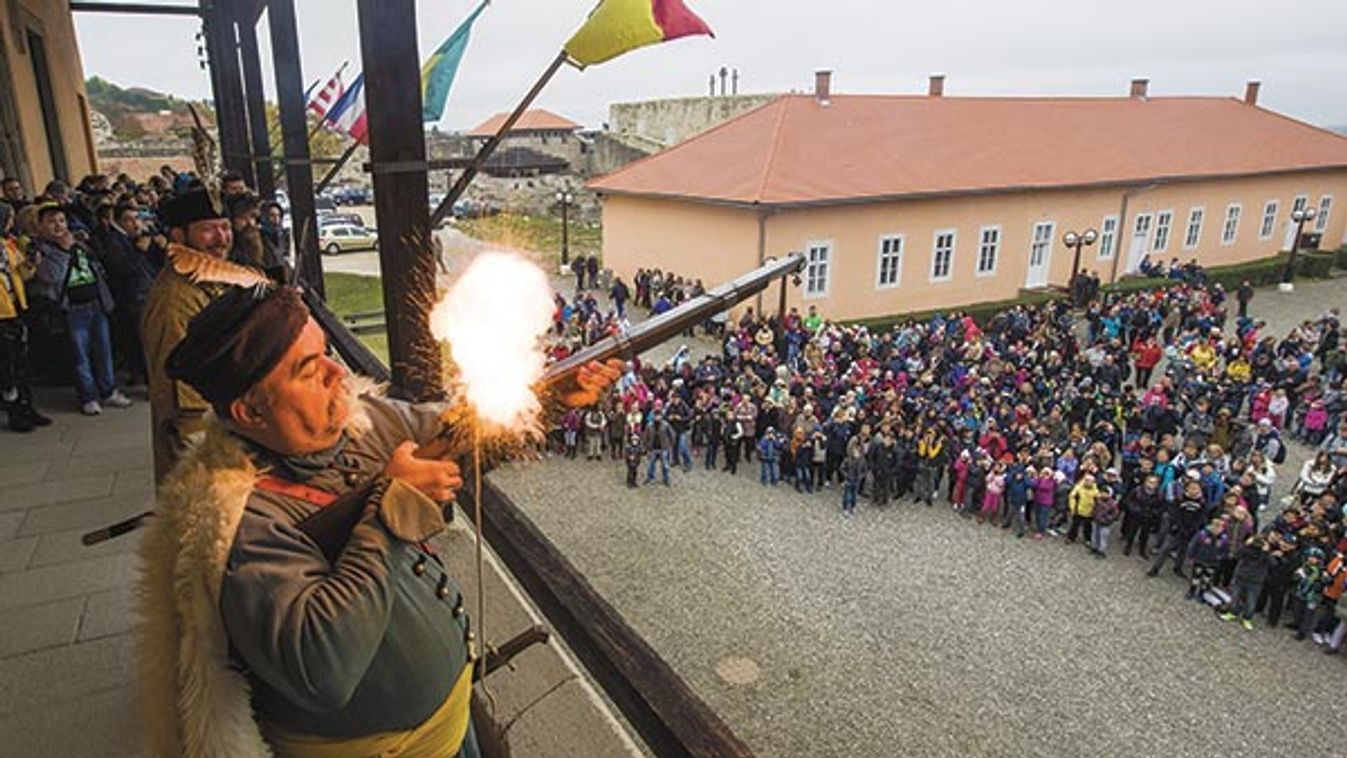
437 73
619 26
348 113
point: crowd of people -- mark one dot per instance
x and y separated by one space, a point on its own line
77 267
1047 421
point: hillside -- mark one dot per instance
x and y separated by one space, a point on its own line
135 113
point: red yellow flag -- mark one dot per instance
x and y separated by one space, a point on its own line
619 26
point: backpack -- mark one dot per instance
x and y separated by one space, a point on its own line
1280 455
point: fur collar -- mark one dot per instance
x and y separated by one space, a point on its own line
194 704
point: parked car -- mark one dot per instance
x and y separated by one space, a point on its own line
340 238
324 203
352 195
337 219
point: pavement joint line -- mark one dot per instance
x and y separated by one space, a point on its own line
601 705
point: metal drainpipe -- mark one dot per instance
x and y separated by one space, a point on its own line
763 215
1119 235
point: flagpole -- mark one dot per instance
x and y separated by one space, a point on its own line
332 172
461 185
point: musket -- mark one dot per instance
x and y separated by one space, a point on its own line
331 527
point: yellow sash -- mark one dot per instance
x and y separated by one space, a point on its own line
437 736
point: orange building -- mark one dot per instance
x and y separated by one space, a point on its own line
906 203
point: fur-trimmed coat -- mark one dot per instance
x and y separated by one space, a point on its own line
194 702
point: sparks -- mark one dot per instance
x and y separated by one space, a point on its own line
494 317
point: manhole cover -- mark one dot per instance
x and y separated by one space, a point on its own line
738 671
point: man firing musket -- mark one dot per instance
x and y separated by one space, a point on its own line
291 605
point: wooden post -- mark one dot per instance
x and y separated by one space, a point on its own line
398 156
295 139
257 107
230 111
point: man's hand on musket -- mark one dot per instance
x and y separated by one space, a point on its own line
440 480
591 382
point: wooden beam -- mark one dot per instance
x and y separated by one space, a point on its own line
143 9
231 115
255 98
406 257
295 141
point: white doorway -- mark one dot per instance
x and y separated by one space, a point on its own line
1040 255
1141 242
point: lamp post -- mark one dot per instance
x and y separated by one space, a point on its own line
1289 275
1076 242
565 197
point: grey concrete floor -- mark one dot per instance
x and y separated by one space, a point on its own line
908 631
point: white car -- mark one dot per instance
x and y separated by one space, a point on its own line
339 238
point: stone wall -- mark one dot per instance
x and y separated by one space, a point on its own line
669 122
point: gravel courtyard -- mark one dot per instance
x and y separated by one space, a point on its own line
908 631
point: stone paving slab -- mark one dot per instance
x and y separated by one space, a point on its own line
107 613
38 627
83 514
15 554
96 725
72 579
41 679
45 493
22 473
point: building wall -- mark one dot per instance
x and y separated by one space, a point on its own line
710 242
53 21
702 241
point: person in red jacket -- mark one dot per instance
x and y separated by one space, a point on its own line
1146 354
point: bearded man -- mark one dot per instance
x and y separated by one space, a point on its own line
196 271
254 641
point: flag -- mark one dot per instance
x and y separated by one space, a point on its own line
348 113
620 26
437 74
327 96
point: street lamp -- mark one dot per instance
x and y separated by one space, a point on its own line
565 197
1076 242
1288 276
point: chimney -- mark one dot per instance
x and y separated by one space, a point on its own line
937 88
823 85
1251 92
1140 87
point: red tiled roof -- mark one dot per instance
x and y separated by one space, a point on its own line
535 119
796 151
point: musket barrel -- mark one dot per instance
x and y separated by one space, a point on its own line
656 330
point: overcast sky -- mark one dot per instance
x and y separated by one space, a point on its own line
985 47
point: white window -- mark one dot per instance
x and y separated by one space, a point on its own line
1108 237
1301 203
1269 224
1038 251
1194 233
818 269
1231 228
890 261
942 256
987 250
1163 221
1325 206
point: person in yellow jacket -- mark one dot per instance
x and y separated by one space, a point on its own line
1080 506
16 398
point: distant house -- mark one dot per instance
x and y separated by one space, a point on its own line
906 203
534 144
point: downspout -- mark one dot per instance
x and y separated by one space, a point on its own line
1122 233
763 215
